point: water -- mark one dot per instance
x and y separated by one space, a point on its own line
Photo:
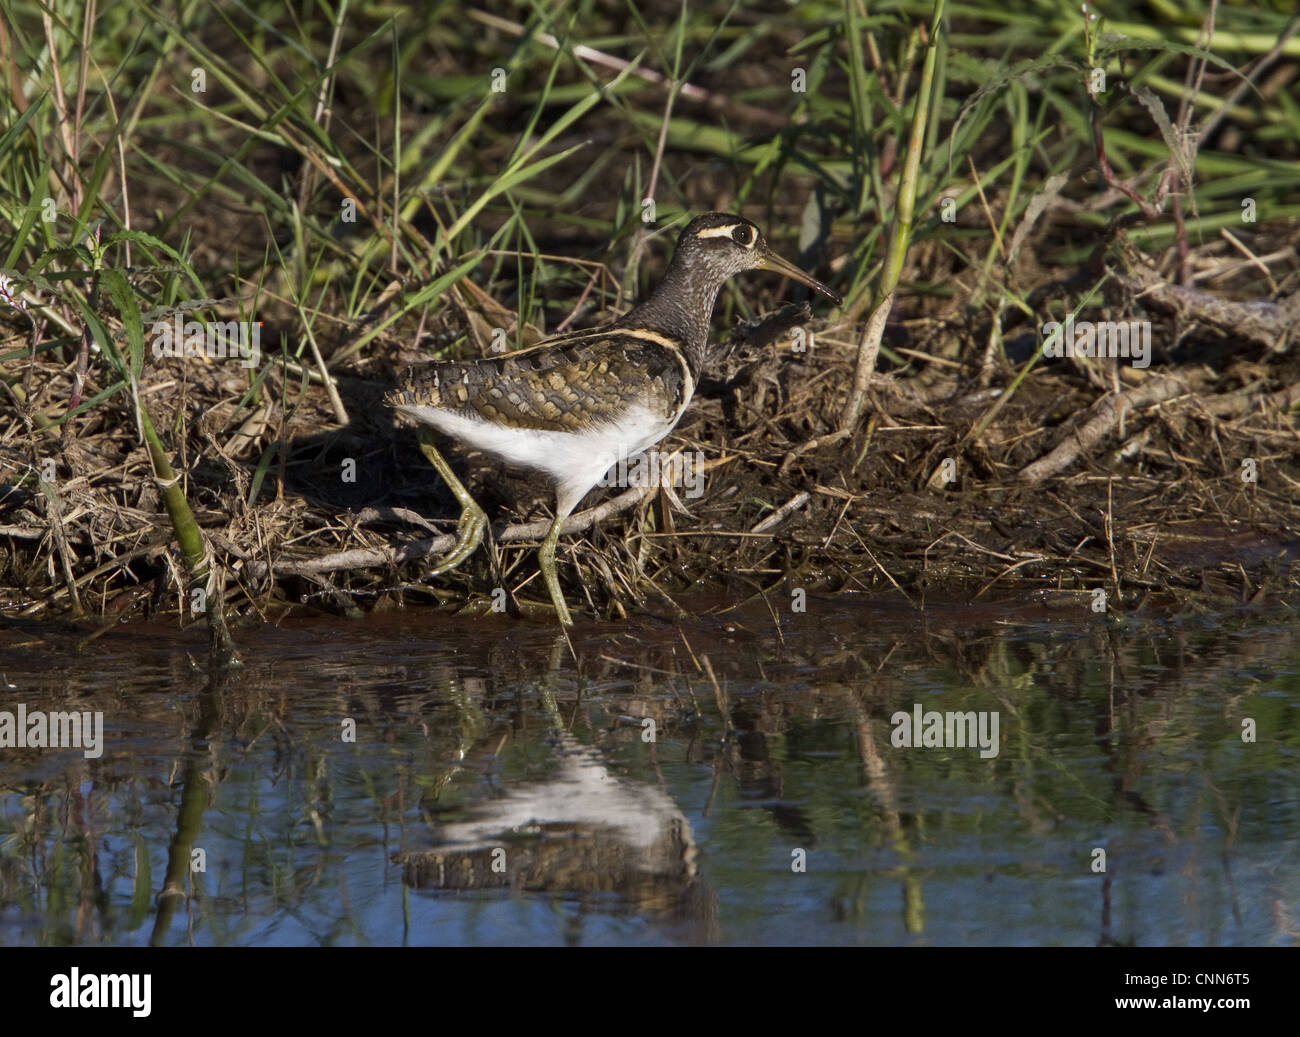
412 778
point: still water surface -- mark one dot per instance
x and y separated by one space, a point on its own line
413 778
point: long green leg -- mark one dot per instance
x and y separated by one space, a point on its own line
546 562
473 519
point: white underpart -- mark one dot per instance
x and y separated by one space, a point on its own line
582 793
574 461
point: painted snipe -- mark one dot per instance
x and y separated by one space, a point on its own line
574 405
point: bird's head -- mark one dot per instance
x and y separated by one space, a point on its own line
720 245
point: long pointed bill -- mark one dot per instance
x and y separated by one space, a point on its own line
771 261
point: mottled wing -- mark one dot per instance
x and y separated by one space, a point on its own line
557 386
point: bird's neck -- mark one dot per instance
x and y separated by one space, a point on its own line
680 308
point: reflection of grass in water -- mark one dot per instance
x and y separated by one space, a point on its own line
1166 745
295 811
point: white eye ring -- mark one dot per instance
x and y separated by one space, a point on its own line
743 235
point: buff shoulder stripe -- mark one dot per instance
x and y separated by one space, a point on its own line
646 335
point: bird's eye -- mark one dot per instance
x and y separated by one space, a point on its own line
742 235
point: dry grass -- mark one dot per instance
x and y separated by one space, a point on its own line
973 469
1154 505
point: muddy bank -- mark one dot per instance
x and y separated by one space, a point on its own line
1087 481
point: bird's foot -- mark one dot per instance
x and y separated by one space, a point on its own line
473 519
561 608
469 534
